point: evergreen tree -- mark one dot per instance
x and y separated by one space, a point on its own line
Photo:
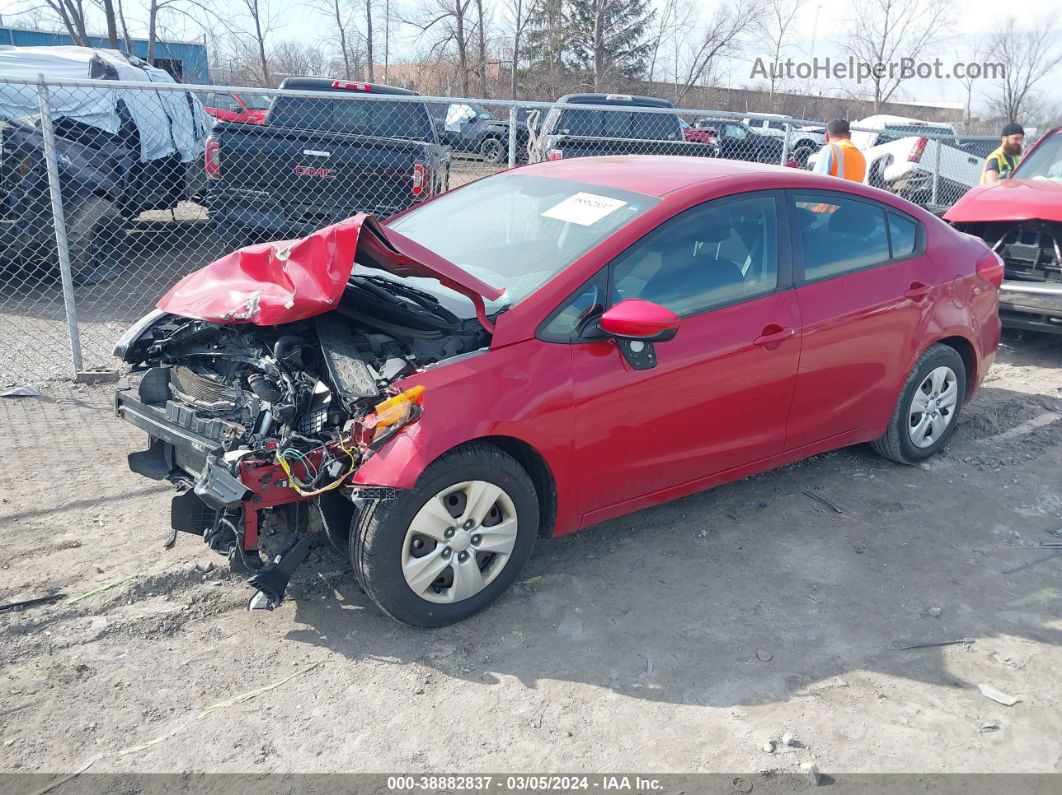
607 40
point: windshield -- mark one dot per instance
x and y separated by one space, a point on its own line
516 232
1045 162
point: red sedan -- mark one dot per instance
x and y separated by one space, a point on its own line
545 349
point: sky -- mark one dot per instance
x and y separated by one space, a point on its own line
819 22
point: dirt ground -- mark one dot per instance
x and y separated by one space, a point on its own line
679 639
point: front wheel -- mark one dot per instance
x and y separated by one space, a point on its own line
450 546
928 409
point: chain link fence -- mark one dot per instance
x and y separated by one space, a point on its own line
112 191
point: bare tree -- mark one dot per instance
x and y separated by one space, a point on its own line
481 39
886 31
447 21
339 13
72 14
776 26
519 13
107 6
701 43
294 57
370 70
1027 56
664 31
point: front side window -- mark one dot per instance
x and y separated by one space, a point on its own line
839 234
713 254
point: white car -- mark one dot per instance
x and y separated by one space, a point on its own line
921 161
804 141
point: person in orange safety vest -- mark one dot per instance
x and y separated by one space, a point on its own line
839 157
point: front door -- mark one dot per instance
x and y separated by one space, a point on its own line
720 392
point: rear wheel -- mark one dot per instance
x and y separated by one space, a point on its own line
99 244
928 409
450 546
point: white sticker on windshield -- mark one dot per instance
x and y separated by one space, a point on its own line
584 209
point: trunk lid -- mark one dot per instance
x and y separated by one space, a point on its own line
285 281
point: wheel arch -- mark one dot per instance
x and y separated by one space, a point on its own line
402 463
965 349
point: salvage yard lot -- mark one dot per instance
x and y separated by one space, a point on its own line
682 638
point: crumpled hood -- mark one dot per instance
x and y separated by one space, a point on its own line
288 280
1010 200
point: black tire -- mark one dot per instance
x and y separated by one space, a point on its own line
99 244
492 150
378 533
896 444
802 152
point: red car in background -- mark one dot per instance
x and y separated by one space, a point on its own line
1021 219
542 350
245 108
698 134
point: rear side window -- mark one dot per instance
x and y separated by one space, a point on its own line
839 234
903 235
362 117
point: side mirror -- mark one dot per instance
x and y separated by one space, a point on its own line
636 325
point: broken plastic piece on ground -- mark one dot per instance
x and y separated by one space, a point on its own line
20 391
16 607
998 696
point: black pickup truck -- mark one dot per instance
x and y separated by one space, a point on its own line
585 132
318 160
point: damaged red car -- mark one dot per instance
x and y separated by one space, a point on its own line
1021 219
542 350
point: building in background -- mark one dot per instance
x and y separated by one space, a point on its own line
185 60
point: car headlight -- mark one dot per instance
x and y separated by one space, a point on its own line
135 331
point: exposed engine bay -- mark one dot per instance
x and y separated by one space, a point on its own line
1031 250
245 417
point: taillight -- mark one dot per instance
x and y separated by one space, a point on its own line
212 158
417 188
990 268
555 154
917 150
349 86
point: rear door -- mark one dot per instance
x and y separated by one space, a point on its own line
864 286
720 392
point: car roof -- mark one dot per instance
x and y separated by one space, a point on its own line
614 99
656 175
328 84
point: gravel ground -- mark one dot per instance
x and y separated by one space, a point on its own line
681 638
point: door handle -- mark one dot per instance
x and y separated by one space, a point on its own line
917 291
773 337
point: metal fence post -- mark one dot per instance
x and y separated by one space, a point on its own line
936 174
512 135
59 222
785 143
